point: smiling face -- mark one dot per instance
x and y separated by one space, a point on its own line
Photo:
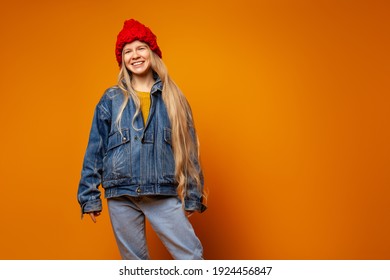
136 57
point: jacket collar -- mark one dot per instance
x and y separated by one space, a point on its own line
158 85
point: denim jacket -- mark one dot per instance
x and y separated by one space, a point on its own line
131 162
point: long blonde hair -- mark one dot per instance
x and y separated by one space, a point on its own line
185 145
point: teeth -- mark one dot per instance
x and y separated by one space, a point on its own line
137 63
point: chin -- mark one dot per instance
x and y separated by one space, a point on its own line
141 71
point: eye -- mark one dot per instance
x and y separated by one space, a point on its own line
126 51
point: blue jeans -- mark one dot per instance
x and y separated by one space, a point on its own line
166 216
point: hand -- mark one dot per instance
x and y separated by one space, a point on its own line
189 213
93 215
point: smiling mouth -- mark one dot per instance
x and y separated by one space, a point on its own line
137 63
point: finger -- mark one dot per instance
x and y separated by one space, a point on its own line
92 215
189 214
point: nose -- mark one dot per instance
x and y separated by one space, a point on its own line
135 54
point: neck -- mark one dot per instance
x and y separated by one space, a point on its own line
143 82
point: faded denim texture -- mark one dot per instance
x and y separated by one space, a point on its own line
131 162
167 218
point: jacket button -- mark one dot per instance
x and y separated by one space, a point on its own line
138 190
136 138
124 139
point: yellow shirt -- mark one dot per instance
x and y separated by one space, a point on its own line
144 97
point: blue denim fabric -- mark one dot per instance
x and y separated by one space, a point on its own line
131 162
167 218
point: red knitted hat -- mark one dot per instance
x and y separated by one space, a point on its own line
134 30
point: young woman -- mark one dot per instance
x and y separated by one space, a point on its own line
143 150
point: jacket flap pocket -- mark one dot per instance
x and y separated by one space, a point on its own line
148 137
118 139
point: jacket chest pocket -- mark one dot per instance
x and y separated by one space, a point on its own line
168 161
116 163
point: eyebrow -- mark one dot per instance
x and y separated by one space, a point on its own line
141 45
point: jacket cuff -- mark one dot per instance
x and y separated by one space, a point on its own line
193 205
91 206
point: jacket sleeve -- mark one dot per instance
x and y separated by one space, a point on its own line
91 175
193 201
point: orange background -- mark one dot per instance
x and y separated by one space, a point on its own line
291 102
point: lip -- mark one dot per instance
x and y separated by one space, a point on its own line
137 63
